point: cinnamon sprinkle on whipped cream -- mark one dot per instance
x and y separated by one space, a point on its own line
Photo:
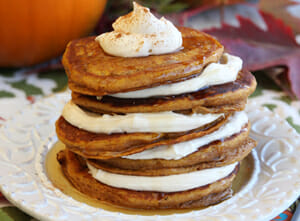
140 34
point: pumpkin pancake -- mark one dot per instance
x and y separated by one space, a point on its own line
78 174
214 99
215 154
105 146
93 72
89 103
132 164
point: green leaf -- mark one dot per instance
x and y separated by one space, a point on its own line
263 82
29 89
285 99
271 107
13 214
173 8
59 77
7 72
164 2
164 6
291 122
6 94
257 92
293 207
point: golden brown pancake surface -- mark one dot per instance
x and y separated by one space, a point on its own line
77 173
93 72
214 99
105 146
215 154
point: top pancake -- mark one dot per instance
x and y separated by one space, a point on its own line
93 72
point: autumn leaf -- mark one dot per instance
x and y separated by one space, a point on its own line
29 89
278 9
260 49
58 76
13 214
197 3
6 94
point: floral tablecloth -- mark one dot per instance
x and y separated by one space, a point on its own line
19 88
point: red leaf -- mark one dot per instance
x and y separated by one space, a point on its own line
278 9
262 49
197 3
197 7
31 99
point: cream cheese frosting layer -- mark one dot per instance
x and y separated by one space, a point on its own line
213 74
140 33
171 183
135 122
183 149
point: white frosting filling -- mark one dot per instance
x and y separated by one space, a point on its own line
180 150
140 33
134 122
213 74
171 183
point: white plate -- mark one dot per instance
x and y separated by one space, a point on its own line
26 138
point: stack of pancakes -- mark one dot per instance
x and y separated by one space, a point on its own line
94 76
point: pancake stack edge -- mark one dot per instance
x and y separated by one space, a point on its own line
154 152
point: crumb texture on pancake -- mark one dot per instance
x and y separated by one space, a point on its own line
76 171
215 154
87 75
215 99
105 146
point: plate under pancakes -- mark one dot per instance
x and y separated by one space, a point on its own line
93 72
76 171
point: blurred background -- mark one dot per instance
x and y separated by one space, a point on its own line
34 31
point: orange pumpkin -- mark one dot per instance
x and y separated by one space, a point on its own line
33 31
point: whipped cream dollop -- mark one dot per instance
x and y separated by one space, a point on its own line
183 149
134 122
213 74
140 33
171 183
